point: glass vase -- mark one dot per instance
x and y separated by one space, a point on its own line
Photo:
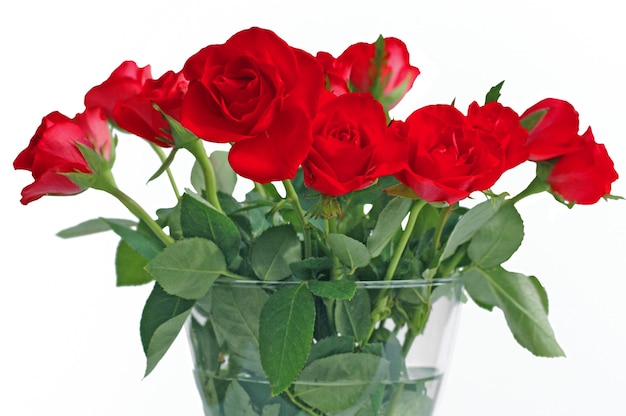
383 352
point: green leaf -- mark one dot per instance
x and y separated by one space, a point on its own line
237 401
342 381
524 304
388 224
494 93
162 319
130 266
497 240
334 289
273 251
199 219
206 352
331 345
235 315
349 251
96 225
352 317
144 243
311 268
286 334
468 225
188 267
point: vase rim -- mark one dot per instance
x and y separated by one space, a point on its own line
363 284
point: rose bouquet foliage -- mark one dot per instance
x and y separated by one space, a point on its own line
340 193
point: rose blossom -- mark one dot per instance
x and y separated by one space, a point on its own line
503 125
447 158
125 81
356 70
583 176
52 151
137 114
349 149
259 93
556 133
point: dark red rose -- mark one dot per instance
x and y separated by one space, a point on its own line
137 114
503 125
259 93
124 82
52 152
556 133
350 150
583 176
356 70
447 158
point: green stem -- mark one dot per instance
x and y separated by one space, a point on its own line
379 311
259 188
301 405
292 195
406 235
196 148
536 186
170 176
331 227
107 184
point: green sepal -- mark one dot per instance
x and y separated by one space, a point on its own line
530 121
494 93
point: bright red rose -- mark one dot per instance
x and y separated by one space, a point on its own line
350 150
503 125
584 176
447 158
356 70
52 152
137 114
124 82
336 75
556 133
259 93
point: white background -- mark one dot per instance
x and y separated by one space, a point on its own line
70 341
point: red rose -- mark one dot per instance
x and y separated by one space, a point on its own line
259 93
583 176
137 114
447 158
336 75
356 69
349 149
556 133
52 152
503 125
125 81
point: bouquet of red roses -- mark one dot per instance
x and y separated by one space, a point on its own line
341 193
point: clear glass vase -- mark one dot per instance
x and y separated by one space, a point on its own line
383 352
